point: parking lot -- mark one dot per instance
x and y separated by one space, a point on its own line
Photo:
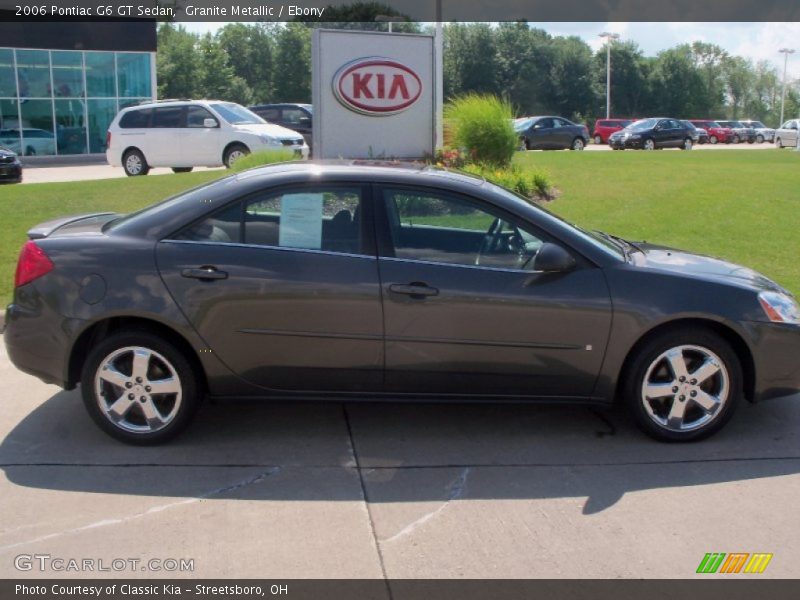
400 491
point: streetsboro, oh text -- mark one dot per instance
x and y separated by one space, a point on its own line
278 11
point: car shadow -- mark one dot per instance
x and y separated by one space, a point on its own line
396 452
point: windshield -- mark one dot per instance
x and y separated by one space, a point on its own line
735 124
522 123
236 114
642 124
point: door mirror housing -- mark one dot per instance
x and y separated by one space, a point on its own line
552 258
210 123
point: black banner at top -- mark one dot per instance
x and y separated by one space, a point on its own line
412 10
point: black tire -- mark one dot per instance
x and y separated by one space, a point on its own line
523 145
687 144
649 144
598 140
760 139
736 139
182 169
578 144
233 153
778 142
134 163
712 139
183 406
646 356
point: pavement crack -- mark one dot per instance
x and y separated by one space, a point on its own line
258 478
455 492
356 463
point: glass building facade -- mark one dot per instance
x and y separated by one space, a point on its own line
61 102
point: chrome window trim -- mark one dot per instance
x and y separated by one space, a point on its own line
463 266
261 246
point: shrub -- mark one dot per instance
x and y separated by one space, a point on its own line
481 125
261 158
531 184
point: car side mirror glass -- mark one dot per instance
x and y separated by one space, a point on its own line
210 123
552 258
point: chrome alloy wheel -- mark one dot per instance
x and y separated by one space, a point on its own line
235 155
138 390
685 388
133 164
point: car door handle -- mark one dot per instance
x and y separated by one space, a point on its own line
205 273
413 289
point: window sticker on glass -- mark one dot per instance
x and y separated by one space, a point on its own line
301 221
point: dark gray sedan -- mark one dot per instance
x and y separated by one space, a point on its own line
334 281
550 133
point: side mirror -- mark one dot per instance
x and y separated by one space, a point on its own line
552 258
210 123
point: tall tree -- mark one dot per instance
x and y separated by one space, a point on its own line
217 79
249 49
291 76
178 65
629 85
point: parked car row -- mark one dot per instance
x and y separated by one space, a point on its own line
709 131
183 134
550 133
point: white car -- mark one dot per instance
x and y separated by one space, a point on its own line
786 134
192 133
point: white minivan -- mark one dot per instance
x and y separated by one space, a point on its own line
192 133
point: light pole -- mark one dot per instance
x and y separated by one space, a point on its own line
609 37
786 52
388 19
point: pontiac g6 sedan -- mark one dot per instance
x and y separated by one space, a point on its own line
353 281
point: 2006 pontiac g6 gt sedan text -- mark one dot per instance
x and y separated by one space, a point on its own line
350 280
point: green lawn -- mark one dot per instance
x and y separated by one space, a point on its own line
740 205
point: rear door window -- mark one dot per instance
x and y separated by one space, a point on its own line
169 117
136 119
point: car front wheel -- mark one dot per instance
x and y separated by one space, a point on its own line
712 139
687 144
578 144
760 139
134 163
598 140
234 153
139 388
649 145
683 385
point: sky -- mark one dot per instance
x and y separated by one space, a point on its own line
756 41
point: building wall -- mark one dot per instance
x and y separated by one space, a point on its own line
61 83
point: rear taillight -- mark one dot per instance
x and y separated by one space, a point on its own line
32 264
108 139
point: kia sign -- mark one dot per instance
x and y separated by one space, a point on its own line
376 86
373 94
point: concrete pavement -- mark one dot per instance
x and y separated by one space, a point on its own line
371 490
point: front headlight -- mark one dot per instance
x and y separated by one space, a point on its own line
634 136
269 140
780 308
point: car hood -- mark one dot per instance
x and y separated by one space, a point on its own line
268 129
687 263
4 153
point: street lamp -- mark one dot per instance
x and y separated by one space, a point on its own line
609 37
389 20
786 52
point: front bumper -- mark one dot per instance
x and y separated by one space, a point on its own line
775 349
11 172
630 143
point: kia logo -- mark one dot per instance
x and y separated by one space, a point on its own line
376 86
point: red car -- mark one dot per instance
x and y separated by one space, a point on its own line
716 132
605 127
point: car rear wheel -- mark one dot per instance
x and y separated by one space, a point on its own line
578 144
139 388
760 139
649 144
182 169
134 163
598 140
712 139
735 139
523 144
234 153
687 144
778 142
683 385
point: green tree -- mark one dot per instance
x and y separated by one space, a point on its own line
217 79
291 76
629 84
177 62
523 62
675 84
739 84
250 52
570 90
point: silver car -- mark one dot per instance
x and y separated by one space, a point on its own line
763 133
786 134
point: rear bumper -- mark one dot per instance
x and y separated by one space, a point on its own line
38 342
776 358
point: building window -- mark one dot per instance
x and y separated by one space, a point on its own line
100 75
133 75
71 126
33 73
68 75
101 113
8 82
